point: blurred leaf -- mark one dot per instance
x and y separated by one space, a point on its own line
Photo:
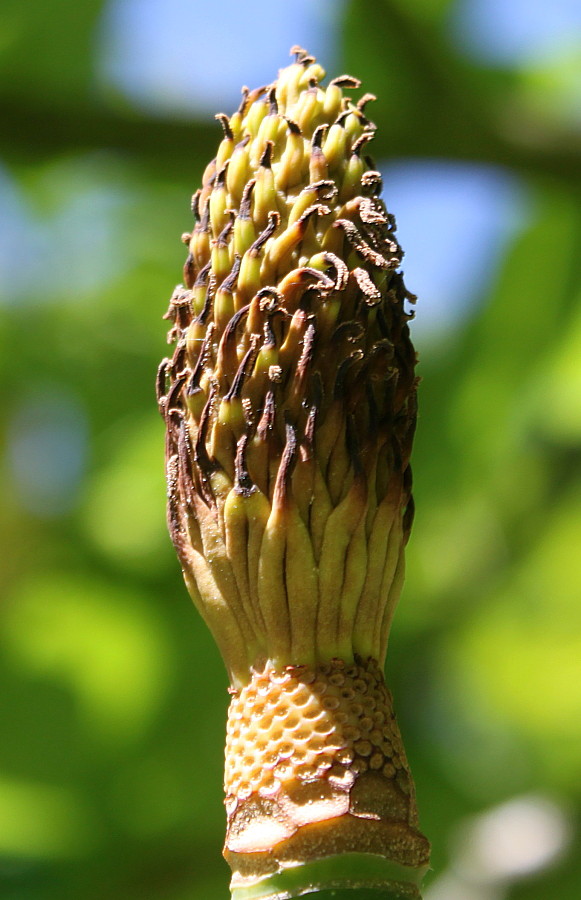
551 91
556 394
47 47
122 509
100 641
42 821
518 658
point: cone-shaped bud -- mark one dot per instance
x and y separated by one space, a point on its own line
290 405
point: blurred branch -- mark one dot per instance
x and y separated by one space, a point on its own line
33 132
444 105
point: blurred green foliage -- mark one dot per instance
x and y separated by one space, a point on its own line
113 694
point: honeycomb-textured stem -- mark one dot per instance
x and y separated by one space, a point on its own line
315 772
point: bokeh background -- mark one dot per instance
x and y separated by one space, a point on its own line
112 692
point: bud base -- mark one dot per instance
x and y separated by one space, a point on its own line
315 768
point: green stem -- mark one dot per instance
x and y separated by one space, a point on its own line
350 876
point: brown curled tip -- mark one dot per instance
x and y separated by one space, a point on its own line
372 212
243 483
355 238
372 183
244 210
202 318
340 268
203 275
351 331
244 101
308 351
256 94
266 423
173 395
318 136
203 224
360 143
266 158
326 189
315 404
179 298
346 81
269 337
292 126
185 463
343 371
269 299
303 276
161 381
243 372
224 121
302 56
285 470
189 270
272 104
224 236
273 223
201 454
371 293
194 381
318 209
230 330
221 176
363 101
196 204
229 284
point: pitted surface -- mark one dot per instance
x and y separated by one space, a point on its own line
315 767
300 724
